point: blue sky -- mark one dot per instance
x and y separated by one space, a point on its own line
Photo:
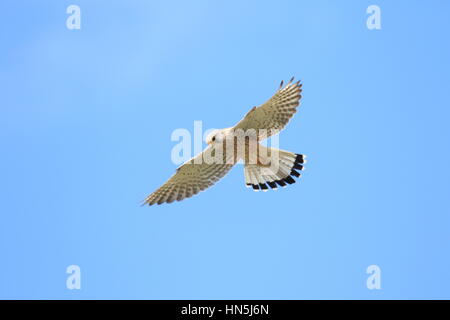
85 126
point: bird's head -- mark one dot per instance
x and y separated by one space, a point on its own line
216 136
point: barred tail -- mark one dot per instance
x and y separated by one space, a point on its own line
261 177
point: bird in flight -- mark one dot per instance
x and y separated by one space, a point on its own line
264 167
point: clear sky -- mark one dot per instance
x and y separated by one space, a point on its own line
86 118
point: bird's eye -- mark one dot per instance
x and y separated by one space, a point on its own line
214 138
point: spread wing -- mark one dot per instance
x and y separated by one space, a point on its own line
194 176
275 113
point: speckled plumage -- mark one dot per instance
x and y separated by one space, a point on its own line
274 114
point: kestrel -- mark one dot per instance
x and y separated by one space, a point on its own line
264 167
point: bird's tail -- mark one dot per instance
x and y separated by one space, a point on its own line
279 169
